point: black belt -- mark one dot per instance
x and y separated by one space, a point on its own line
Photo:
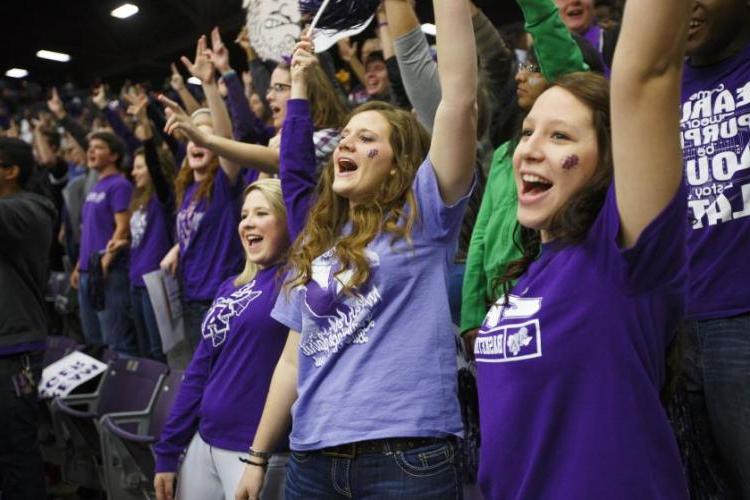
351 450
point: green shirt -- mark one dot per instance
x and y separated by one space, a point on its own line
492 246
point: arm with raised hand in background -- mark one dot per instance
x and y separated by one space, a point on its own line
645 101
453 146
177 82
204 69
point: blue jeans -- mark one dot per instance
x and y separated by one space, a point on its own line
149 341
112 326
431 472
717 369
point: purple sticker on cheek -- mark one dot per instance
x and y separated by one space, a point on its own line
570 162
373 153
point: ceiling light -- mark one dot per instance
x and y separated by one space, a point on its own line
194 80
125 10
53 56
16 73
429 29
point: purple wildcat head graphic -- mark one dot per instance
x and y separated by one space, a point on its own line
339 319
223 310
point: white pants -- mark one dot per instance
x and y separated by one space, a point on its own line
209 473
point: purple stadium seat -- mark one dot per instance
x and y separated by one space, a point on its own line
127 440
129 385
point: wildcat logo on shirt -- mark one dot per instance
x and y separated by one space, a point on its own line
137 227
510 341
188 222
216 322
339 319
715 135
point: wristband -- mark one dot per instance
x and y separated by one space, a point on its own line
259 454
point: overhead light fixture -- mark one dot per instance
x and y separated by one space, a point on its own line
429 29
16 73
124 11
53 56
194 80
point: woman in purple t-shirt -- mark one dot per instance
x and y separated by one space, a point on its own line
207 192
221 398
572 359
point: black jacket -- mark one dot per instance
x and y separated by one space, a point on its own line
26 222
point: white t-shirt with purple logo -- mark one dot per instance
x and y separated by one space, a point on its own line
380 363
715 132
109 196
569 371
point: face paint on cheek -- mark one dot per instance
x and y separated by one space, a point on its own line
569 162
372 153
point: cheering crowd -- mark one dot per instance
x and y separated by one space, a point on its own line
516 259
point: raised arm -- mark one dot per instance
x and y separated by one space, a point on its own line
203 68
178 85
646 76
453 146
418 70
297 166
555 48
263 158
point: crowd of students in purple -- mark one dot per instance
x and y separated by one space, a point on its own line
332 240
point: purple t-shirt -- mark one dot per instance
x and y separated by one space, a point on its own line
150 238
225 386
382 362
109 196
569 372
715 132
210 250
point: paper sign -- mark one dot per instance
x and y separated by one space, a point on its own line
273 27
67 373
164 294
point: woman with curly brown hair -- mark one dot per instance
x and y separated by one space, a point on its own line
368 371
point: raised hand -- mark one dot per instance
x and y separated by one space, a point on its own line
219 54
243 40
175 80
347 49
99 97
179 121
55 104
202 67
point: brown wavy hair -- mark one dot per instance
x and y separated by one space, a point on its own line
327 109
393 208
572 221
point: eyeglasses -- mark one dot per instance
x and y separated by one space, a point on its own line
529 67
278 88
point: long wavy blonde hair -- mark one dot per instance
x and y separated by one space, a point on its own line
271 189
185 175
392 210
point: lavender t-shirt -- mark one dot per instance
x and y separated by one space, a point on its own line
226 383
107 197
150 238
715 131
569 372
210 250
381 363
